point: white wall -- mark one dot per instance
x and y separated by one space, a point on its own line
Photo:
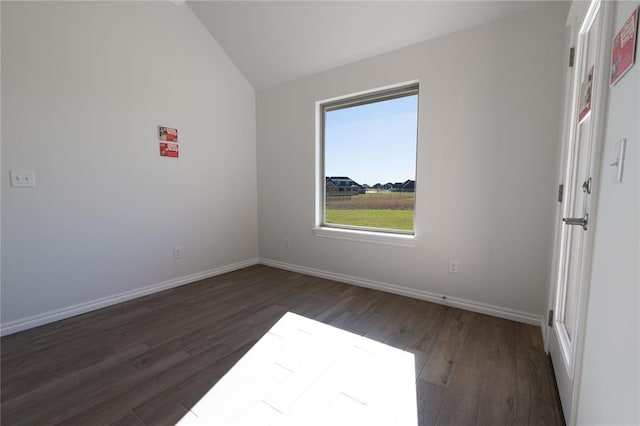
84 85
610 379
490 107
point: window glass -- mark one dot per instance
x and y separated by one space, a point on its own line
370 146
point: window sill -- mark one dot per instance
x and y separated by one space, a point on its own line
387 238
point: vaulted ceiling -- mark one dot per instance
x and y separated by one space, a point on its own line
272 42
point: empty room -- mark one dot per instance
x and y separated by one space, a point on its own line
320 212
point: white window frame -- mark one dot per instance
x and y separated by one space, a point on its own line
347 232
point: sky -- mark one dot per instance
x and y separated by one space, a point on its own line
373 143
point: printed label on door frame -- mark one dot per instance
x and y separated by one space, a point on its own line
586 89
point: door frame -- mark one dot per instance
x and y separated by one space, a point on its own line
578 11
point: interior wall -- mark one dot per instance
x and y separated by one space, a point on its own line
488 137
84 87
610 380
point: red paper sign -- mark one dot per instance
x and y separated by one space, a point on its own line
169 149
585 95
167 134
624 46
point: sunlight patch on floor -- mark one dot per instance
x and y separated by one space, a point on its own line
304 372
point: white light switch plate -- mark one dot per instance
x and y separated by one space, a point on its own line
621 146
22 178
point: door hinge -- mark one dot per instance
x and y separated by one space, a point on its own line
550 319
572 56
560 192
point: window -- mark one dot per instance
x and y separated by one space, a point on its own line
368 148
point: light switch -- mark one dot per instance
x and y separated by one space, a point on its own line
22 178
619 163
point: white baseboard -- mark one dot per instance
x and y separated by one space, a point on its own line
59 314
469 305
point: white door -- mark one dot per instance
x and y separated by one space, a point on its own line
588 82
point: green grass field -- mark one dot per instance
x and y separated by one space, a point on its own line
389 219
380 201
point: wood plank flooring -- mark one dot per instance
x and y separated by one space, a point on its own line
149 360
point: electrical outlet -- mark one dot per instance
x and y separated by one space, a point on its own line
177 252
286 242
22 178
453 266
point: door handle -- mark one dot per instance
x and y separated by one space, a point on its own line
581 221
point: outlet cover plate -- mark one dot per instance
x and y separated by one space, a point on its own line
22 178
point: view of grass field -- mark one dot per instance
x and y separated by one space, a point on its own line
386 219
386 210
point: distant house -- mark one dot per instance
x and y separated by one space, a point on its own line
406 186
409 186
343 185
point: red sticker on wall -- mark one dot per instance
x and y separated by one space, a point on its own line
168 149
624 46
167 134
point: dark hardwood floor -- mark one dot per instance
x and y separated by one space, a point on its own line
147 361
